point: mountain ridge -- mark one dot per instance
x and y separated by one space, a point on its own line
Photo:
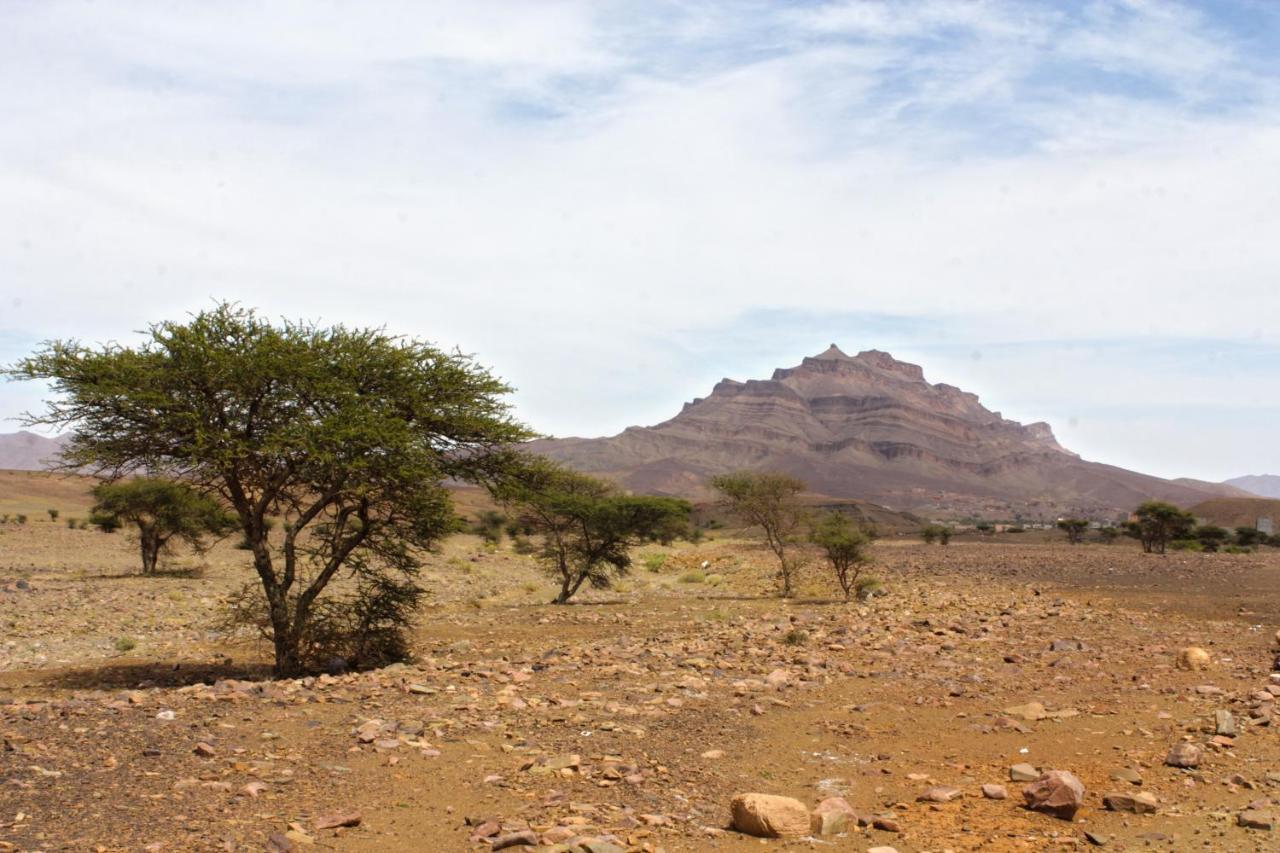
869 427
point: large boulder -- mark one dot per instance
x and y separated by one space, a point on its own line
769 816
1184 755
1056 792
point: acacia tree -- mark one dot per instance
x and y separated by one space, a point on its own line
162 511
769 501
1155 523
346 435
844 545
1074 528
587 526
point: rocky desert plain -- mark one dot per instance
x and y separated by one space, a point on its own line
632 719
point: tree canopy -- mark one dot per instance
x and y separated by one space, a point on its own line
1156 523
345 434
844 545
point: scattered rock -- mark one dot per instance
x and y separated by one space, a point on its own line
338 819
939 794
994 792
1224 723
1256 819
1139 803
1056 792
832 816
525 838
1023 773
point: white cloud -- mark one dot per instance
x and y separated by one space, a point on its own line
573 190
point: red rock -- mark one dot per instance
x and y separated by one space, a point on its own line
1056 792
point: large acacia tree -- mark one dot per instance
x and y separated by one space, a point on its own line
345 435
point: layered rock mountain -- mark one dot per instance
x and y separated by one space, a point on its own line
869 427
1263 485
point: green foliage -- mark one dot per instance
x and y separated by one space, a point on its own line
20 518
1236 549
654 562
693 576
490 525
1248 537
1186 545
1074 528
769 501
795 637
1211 537
53 514
125 644
346 435
162 511
844 545
867 587
984 527
1109 534
587 526
940 533
1156 523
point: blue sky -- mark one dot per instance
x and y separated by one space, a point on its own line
1070 209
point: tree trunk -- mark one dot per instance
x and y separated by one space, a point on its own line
149 543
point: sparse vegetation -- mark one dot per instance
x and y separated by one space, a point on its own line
162 511
1156 523
1074 528
769 501
125 644
587 527
939 533
844 545
1211 537
53 514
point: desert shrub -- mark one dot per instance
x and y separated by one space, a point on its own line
654 562
1074 528
490 525
714 580
1109 534
1186 545
795 637
1157 524
939 533
4 519
844 545
1236 549
53 514
1211 537
695 535
125 644
363 629
523 545
1247 537
771 502
866 587
1018 529
20 518
73 523
694 576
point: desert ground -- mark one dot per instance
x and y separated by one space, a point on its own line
629 720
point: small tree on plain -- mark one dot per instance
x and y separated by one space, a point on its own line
1156 523
929 534
587 526
162 511
53 514
844 545
769 501
1074 528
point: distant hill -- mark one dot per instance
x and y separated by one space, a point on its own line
1238 512
26 451
1263 485
873 428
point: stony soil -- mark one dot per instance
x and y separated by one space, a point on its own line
634 718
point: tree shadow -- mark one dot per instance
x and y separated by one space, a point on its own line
129 676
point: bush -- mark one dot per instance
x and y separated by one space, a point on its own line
20 518
125 644
523 545
1236 549
490 525
53 514
654 562
1186 545
866 587
936 533
714 580
795 637
693 577
365 629
72 523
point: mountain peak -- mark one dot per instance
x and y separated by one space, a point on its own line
832 353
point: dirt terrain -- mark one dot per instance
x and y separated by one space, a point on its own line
631 719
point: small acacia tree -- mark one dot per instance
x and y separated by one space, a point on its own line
162 511
1155 523
345 435
1074 528
587 526
1211 537
844 545
770 501
1249 537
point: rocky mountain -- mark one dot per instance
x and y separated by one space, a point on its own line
873 428
1263 485
27 451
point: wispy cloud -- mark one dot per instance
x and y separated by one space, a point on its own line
592 196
